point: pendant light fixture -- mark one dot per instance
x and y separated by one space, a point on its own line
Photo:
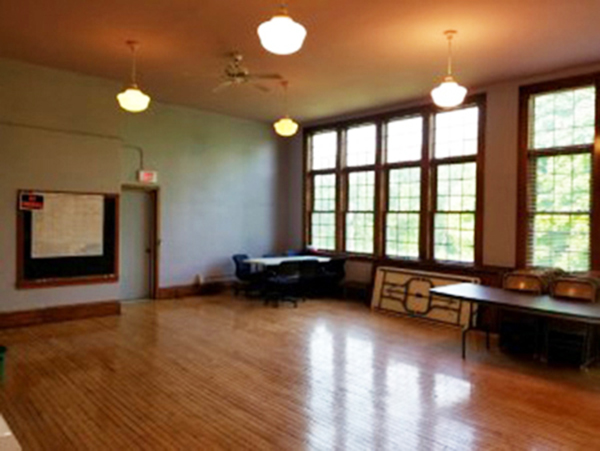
281 35
449 93
285 126
133 99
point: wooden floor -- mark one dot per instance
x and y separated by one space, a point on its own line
224 373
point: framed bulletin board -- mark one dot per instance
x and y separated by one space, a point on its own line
66 238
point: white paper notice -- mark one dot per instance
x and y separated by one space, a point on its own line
69 225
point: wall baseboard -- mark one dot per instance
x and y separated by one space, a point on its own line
182 291
179 291
58 314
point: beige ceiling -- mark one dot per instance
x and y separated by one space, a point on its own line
359 54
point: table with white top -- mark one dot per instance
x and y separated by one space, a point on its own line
276 261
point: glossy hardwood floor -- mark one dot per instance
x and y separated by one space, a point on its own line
224 373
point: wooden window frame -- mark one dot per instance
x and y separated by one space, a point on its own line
424 164
387 211
309 180
382 169
523 222
344 188
311 204
347 172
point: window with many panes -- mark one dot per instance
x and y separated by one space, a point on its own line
360 215
557 152
360 152
323 195
454 160
454 221
323 215
401 186
403 214
403 155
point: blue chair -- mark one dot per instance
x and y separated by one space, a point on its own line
248 281
283 284
334 272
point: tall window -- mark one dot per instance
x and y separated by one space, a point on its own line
454 159
322 217
361 147
359 218
403 186
404 152
558 152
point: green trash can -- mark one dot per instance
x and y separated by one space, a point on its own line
2 357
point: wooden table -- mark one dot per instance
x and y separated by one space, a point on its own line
540 305
275 261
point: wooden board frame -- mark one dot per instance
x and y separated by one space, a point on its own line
24 283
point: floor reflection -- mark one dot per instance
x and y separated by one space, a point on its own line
231 374
321 402
449 390
359 401
402 406
355 404
454 434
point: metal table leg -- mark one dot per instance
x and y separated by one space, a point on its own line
589 358
466 330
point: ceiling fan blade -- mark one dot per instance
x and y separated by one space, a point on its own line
265 76
225 84
260 87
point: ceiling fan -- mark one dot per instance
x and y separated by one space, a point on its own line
236 75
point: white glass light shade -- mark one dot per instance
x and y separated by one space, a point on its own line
285 127
133 100
448 94
281 35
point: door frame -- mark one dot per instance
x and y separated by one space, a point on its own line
155 241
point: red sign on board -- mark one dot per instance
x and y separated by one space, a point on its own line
31 201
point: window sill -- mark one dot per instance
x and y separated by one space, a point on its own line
415 263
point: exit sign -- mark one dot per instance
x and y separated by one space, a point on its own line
147 176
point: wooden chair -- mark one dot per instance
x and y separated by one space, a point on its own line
521 333
528 283
567 341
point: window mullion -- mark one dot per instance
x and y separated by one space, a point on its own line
378 207
427 198
342 194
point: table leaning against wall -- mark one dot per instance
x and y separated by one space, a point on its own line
540 305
